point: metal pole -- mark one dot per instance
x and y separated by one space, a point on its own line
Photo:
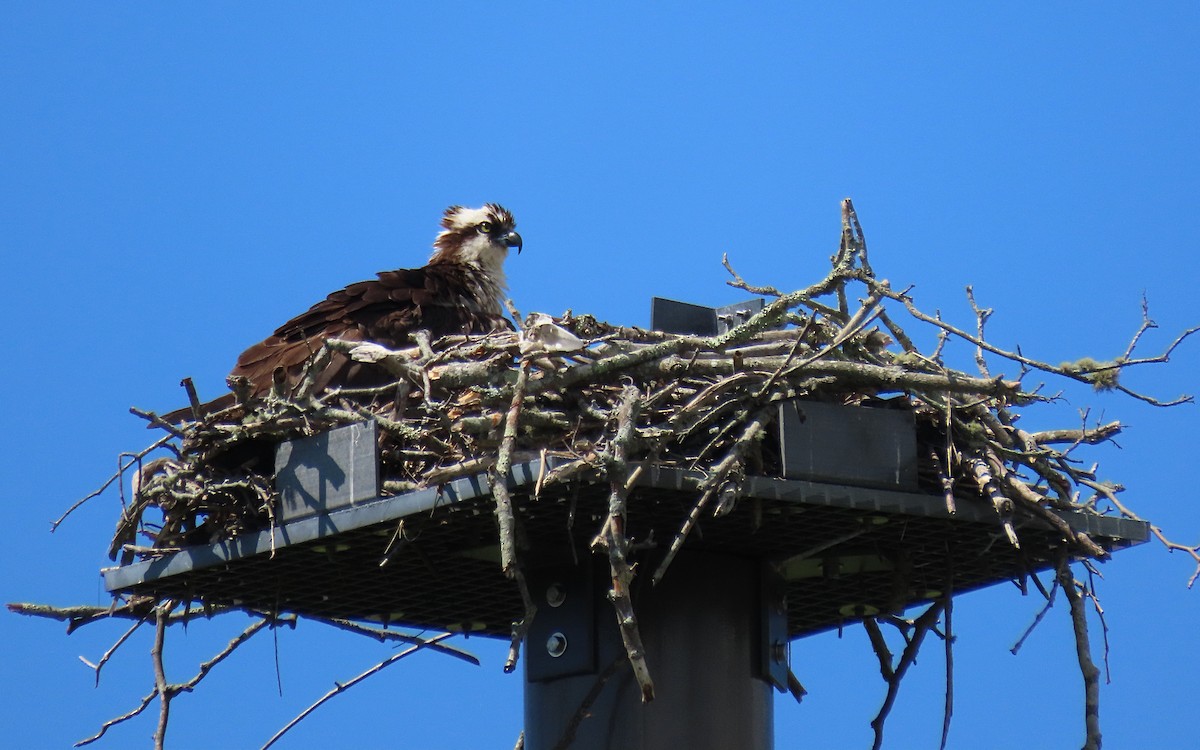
702 627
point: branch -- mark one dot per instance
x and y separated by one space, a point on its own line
498 476
78 616
160 677
384 636
498 479
1109 493
585 706
715 481
115 477
340 687
1037 619
948 710
112 650
893 675
1086 371
612 537
1091 675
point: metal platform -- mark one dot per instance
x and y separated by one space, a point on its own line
430 558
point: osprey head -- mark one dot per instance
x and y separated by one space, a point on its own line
478 237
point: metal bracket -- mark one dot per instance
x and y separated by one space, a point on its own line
774 652
562 638
671 316
859 445
332 470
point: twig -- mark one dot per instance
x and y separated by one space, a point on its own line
948 710
1110 493
716 479
585 705
145 703
520 628
893 675
120 471
1037 618
384 636
498 476
1090 592
340 687
612 538
160 678
1091 675
112 649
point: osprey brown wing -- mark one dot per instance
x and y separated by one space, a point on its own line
438 297
458 291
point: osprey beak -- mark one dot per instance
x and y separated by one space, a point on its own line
512 239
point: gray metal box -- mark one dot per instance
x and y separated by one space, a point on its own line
671 316
857 445
325 472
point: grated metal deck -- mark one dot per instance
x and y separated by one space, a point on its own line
430 558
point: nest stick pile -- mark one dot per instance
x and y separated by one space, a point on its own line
599 396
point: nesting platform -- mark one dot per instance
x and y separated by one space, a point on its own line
430 558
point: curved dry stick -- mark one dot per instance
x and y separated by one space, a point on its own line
341 687
1110 494
120 471
1015 356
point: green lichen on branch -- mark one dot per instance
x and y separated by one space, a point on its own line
1103 376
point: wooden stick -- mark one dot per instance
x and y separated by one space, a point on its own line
341 687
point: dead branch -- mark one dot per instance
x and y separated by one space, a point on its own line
715 482
893 674
521 627
498 476
612 538
1037 619
1091 675
1109 492
341 687
112 650
948 709
585 706
78 616
384 636
114 478
160 678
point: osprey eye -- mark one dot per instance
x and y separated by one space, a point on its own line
485 227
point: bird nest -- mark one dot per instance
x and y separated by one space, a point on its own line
598 396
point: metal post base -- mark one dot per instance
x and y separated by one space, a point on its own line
703 632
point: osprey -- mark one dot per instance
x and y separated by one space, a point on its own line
458 291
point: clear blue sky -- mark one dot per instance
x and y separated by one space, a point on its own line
176 179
